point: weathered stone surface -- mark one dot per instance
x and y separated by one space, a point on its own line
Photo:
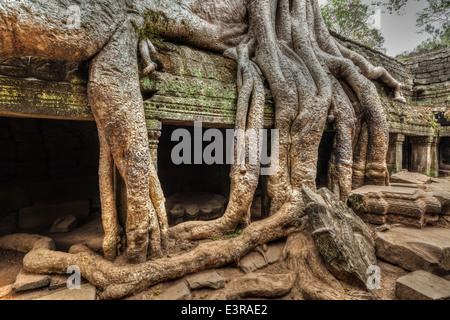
86 293
422 285
27 281
64 224
343 240
258 285
195 206
179 291
4 291
415 249
210 279
444 199
274 252
409 206
410 178
58 282
90 234
45 215
252 262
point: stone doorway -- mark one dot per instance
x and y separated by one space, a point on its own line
193 191
48 170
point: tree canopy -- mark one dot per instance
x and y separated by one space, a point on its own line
353 19
434 20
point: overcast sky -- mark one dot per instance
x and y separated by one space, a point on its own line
399 31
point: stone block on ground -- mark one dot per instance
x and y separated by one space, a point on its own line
195 206
58 282
44 215
179 291
90 234
86 293
26 281
252 262
410 178
257 285
210 279
385 204
64 224
415 249
274 252
422 285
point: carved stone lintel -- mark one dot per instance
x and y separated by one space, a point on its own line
396 138
422 140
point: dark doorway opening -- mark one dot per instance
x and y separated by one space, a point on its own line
48 170
323 161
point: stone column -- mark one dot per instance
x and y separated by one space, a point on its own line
421 154
395 153
434 172
154 128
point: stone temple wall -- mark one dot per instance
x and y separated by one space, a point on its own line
431 74
40 173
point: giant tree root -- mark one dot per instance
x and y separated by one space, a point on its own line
314 281
119 281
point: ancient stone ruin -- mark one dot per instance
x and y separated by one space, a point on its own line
345 220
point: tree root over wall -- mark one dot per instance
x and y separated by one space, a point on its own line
313 80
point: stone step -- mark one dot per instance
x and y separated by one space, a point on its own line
412 207
422 285
415 249
410 177
209 279
257 285
85 293
26 281
178 291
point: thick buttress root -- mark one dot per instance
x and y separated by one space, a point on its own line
115 97
116 282
310 75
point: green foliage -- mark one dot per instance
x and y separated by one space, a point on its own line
435 20
432 121
432 174
155 23
229 235
353 20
